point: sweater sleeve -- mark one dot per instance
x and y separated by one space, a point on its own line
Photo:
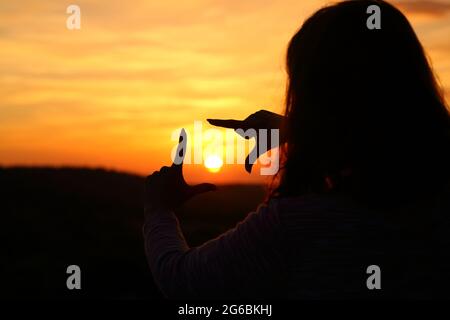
246 261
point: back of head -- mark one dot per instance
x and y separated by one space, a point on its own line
365 114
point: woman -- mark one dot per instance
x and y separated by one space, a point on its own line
364 178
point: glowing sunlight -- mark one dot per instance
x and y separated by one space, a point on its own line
213 163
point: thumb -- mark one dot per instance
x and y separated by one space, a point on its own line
248 164
202 188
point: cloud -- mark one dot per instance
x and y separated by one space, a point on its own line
138 69
429 8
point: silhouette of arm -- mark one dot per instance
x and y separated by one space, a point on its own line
244 262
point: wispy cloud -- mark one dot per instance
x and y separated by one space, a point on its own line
424 7
110 93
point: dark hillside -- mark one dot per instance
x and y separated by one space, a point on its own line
55 217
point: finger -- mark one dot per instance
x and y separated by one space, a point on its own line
201 188
251 159
154 174
154 177
164 169
181 150
226 123
248 165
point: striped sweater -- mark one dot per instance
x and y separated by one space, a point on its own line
309 247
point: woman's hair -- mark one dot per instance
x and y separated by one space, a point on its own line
365 115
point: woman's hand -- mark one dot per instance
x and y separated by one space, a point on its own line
166 189
261 119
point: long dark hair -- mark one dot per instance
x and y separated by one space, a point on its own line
365 115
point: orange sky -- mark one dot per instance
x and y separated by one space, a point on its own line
110 95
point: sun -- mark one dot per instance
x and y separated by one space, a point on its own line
213 163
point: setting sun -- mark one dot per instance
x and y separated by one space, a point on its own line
116 89
213 163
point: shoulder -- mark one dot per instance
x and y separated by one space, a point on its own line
318 212
312 203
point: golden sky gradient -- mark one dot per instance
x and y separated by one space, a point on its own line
111 94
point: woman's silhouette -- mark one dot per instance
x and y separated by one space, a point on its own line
364 179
